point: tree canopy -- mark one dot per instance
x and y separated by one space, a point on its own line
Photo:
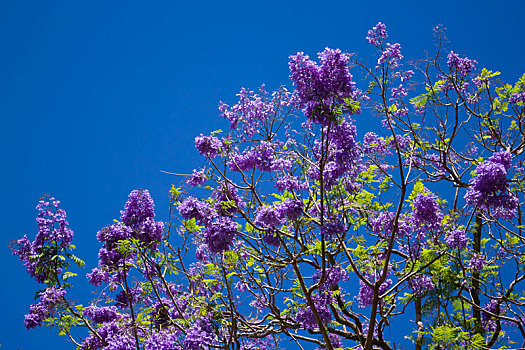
296 230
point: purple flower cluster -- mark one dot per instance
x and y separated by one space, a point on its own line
199 335
220 234
275 214
252 110
289 183
373 144
399 91
477 262
102 314
517 97
208 146
53 232
165 339
332 228
201 253
461 65
259 157
197 178
192 208
98 276
272 238
109 255
489 189
490 309
137 222
139 214
343 154
333 276
138 208
384 222
52 224
377 34
227 199
318 87
420 284
391 55
366 293
269 216
305 315
115 335
426 213
49 300
456 239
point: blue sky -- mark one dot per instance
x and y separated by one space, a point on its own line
97 97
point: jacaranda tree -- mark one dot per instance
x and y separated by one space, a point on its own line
299 229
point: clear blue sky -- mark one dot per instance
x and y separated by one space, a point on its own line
96 97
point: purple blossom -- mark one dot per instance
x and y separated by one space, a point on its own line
220 234
318 87
399 91
291 208
199 336
259 302
477 262
192 208
53 227
113 233
201 253
269 216
343 155
281 164
384 222
462 65
456 239
252 110
241 286
116 336
122 299
97 276
366 293
404 76
333 276
401 142
49 301
289 183
517 97
165 339
138 208
305 315
490 309
208 146
489 189
333 228
197 178
272 238
373 144
377 34
427 214
421 284
260 157
227 199
53 236
242 162
149 232
102 314
391 55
